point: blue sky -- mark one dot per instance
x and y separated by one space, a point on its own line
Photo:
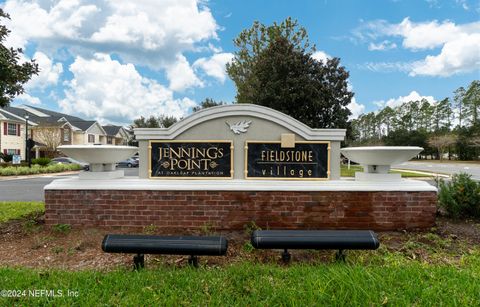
116 60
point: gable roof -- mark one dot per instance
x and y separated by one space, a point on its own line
5 115
111 130
45 117
83 124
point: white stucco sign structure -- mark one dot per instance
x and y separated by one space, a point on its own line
241 141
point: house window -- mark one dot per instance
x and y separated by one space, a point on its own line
91 138
66 135
12 129
109 140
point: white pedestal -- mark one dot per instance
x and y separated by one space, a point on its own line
101 175
359 176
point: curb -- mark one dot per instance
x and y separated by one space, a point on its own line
9 178
422 172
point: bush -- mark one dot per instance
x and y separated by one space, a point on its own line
41 161
37 169
6 157
461 196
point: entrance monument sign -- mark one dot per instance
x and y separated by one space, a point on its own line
191 159
303 160
231 165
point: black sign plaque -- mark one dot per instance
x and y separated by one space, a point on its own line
191 159
306 161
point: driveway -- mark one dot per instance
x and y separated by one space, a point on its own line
445 167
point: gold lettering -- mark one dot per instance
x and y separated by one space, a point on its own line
210 155
200 153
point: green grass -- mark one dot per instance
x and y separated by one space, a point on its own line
16 210
345 172
251 284
37 169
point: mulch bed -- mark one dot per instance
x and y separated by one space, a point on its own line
28 243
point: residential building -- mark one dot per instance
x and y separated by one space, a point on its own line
50 129
12 134
116 135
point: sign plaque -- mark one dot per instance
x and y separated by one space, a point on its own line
304 161
191 159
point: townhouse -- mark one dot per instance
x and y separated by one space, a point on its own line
50 129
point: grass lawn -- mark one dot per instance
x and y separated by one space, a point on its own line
251 284
345 172
15 210
431 268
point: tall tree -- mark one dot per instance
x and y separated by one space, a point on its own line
472 102
274 67
13 75
162 121
458 98
208 103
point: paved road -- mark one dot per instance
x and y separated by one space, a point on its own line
31 189
444 167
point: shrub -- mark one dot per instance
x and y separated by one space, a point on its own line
37 169
41 161
6 157
461 196
62 228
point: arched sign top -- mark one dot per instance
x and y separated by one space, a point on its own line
238 110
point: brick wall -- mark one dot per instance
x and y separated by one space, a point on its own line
225 210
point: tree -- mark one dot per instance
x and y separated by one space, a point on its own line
50 136
472 102
208 103
13 75
274 67
163 121
442 142
459 96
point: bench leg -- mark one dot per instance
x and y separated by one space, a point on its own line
286 256
340 255
138 261
193 261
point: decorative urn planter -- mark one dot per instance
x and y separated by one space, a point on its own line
377 160
102 159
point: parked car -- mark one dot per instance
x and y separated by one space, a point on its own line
68 160
128 163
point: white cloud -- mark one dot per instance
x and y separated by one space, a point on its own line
144 32
215 65
385 45
395 102
387 66
463 4
459 43
457 56
356 108
26 98
112 92
181 75
321 56
49 72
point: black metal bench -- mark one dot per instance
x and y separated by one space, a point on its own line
170 245
340 240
